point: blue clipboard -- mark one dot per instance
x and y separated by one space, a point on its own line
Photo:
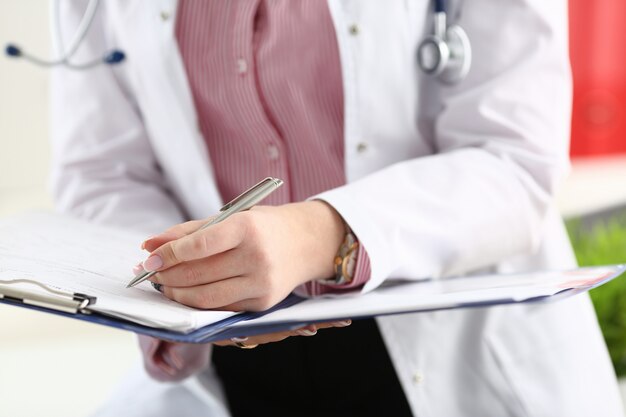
224 329
202 335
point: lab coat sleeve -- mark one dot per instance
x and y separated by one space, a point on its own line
501 140
103 167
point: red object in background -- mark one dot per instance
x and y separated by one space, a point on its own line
598 56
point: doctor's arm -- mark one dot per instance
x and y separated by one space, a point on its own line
103 167
502 148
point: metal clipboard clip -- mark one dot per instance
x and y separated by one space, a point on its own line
53 298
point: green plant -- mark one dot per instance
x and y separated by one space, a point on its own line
603 242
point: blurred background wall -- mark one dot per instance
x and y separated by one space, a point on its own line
41 356
23 108
595 195
48 366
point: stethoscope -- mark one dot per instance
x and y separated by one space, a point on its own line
111 57
445 55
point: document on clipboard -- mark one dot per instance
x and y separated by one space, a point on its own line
64 266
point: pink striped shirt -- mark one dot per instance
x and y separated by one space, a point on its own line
266 81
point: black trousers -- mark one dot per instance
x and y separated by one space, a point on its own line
338 372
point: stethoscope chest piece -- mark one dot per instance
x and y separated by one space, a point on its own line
447 54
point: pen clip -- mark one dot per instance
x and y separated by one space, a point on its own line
261 184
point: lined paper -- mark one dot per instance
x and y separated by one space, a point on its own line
78 256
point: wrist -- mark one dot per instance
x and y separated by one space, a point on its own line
325 230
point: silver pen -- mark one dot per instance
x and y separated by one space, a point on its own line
243 202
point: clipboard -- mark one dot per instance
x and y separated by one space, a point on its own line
50 299
76 306
80 306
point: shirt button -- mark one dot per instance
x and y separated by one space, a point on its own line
165 15
361 147
242 66
272 152
353 29
418 378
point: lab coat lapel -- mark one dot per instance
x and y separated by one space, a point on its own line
167 105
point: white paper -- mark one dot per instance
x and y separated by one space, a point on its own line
444 293
77 256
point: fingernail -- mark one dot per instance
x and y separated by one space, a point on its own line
157 287
343 323
143 244
306 332
238 339
164 367
176 359
153 263
167 364
152 348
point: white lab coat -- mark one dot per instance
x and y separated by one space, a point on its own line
452 180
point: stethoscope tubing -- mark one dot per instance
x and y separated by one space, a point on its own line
450 68
112 57
81 32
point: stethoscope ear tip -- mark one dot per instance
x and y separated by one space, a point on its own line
115 57
12 50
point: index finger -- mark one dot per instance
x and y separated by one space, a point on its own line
215 239
172 233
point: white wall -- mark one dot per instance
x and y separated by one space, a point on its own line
41 356
23 108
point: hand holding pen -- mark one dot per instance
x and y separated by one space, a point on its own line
243 202
250 260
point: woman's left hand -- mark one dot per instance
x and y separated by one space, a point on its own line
169 361
250 261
